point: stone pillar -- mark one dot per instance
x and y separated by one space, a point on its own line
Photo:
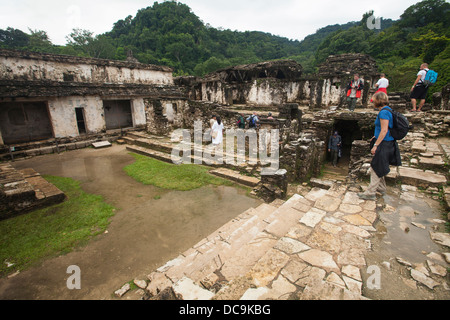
274 186
360 160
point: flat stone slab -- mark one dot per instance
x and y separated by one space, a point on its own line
268 267
320 259
315 194
190 291
327 203
102 144
322 184
291 246
420 178
432 161
423 279
441 238
313 217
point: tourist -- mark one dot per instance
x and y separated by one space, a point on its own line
217 132
212 121
253 121
382 85
270 116
419 91
241 122
333 147
354 92
385 149
211 124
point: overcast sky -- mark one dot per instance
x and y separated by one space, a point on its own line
294 19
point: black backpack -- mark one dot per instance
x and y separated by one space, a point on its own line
401 126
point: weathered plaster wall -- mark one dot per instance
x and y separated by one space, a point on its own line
26 69
16 65
138 110
63 117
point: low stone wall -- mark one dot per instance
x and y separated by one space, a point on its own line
59 145
24 190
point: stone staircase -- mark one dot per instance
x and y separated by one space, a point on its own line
399 101
308 247
160 148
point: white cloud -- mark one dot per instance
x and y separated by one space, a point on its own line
293 19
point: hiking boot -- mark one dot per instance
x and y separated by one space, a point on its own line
364 196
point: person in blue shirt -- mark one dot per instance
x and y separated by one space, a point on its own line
385 149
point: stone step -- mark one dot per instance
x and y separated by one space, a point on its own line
236 176
161 156
418 177
245 243
147 145
279 223
150 144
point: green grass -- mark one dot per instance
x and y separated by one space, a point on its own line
55 230
171 177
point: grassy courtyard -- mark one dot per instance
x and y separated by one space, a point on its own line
172 177
52 231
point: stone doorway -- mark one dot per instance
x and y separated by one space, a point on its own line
118 114
350 131
23 122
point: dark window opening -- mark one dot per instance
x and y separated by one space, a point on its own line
294 113
68 77
80 120
280 75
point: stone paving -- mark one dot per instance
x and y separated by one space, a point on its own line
311 247
306 248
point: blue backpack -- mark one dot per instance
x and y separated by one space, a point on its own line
431 78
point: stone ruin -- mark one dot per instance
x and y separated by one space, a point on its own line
52 103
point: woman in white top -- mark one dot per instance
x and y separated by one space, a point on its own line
217 132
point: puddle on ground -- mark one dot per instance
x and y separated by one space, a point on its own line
397 237
144 234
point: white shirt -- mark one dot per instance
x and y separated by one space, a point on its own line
383 83
423 74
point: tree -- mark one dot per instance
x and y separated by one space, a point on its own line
39 41
425 12
13 38
88 45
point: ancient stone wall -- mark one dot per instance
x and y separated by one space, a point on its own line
338 71
64 85
31 66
